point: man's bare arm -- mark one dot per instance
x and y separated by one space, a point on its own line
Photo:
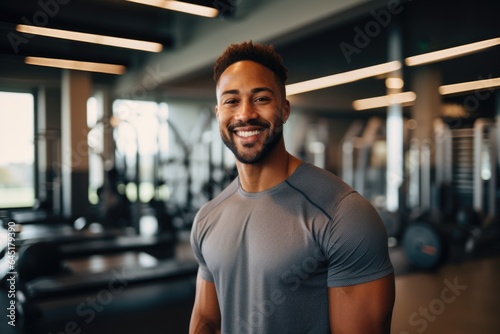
205 318
363 308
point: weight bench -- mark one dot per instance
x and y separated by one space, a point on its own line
47 258
152 299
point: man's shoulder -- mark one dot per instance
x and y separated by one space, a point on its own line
314 180
321 188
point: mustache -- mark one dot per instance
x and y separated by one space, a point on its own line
255 122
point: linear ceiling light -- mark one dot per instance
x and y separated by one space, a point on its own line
384 101
180 6
469 86
457 51
342 78
92 38
76 65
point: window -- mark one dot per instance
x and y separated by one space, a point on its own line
141 137
17 150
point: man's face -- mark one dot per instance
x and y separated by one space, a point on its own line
250 110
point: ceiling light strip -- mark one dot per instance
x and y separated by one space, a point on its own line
469 86
342 78
384 101
457 51
91 38
76 65
180 6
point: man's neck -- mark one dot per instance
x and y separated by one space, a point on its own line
271 171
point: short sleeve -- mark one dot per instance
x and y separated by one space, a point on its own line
195 245
356 244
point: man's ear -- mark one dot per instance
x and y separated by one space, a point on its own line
217 112
285 110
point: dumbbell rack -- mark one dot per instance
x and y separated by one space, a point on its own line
462 157
466 160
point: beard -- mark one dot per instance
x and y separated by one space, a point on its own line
247 155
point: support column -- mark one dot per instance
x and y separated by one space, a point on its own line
76 89
104 101
427 107
425 83
394 125
49 148
497 122
109 143
495 205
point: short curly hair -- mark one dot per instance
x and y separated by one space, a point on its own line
265 55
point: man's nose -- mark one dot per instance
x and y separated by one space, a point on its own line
246 112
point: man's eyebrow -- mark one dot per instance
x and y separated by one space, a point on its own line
253 91
262 89
230 92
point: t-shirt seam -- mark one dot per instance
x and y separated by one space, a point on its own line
345 196
330 218
309 200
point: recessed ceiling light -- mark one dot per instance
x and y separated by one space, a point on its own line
91 38
76 65
180 6
457 51
384 101
469 86
342 78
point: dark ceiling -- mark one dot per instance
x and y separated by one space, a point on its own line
107 17
311 52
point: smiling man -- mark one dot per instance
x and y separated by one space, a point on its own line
286 247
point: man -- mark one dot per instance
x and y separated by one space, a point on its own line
287 247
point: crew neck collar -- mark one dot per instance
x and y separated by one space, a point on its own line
272 190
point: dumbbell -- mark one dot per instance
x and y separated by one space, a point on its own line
435 239
423 245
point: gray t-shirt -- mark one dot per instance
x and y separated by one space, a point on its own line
273 254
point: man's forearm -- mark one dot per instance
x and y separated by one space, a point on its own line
204 328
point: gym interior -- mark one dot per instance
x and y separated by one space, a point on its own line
109 146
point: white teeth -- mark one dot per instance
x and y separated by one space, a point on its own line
247 133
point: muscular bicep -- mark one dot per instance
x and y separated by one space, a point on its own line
362 308
205 317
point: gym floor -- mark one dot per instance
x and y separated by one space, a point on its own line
459 298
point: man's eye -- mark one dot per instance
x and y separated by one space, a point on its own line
262 99
230 101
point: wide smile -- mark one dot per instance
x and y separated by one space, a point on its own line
247 135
